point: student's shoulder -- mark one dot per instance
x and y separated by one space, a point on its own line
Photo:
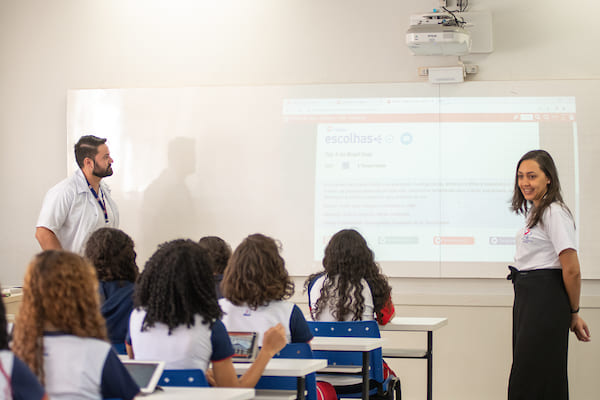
321 276
88 344
557 213
25 384
68 187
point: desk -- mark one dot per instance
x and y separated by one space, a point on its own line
193 393
362 344
413 324
294 367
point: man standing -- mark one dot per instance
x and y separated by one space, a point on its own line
80 204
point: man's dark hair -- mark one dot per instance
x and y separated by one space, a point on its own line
87 147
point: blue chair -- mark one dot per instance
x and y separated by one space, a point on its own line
183 377
292 350
378 387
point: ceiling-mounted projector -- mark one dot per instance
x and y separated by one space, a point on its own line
437 34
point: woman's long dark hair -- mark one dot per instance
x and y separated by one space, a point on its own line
553 192
176 285
348 259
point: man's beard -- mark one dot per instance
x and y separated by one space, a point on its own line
102 173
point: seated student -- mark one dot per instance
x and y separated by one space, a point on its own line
351 288
60 333
111 252
177 317
219 251
17 380
256 286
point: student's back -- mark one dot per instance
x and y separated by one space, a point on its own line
177 317
351 287
111 251
61 335
256 287
16 379
314 288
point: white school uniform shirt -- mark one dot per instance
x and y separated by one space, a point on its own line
244 319
185 348
20 383
7 360
326 314
539 247
71 211
83 368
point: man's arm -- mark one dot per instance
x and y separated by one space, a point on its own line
47 239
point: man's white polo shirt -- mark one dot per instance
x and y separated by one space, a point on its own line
71 211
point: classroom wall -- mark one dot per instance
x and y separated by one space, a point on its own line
49 47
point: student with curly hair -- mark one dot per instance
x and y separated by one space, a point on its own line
352 287
177 317
111 252
256 287
60 333
219 251
17 381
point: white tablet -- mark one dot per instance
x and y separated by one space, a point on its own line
145 373
245 346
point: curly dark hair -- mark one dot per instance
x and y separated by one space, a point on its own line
219 251
553 192
111 252
4 339
177 284
348 259
60 289
256 274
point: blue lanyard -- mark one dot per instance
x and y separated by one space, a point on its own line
100 201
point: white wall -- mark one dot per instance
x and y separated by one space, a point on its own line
48 47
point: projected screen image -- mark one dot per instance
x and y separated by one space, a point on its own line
427 177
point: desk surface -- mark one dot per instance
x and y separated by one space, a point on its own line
193 393
286 367
414 324
346 343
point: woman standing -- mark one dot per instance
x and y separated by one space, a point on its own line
547 283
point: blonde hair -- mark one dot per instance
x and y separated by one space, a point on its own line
60 290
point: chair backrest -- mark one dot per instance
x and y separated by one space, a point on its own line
368 329
291 350
345 328
183 377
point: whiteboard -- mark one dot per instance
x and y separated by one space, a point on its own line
424 172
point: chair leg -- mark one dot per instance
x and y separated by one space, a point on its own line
398 391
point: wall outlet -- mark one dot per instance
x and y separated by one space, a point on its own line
423 71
